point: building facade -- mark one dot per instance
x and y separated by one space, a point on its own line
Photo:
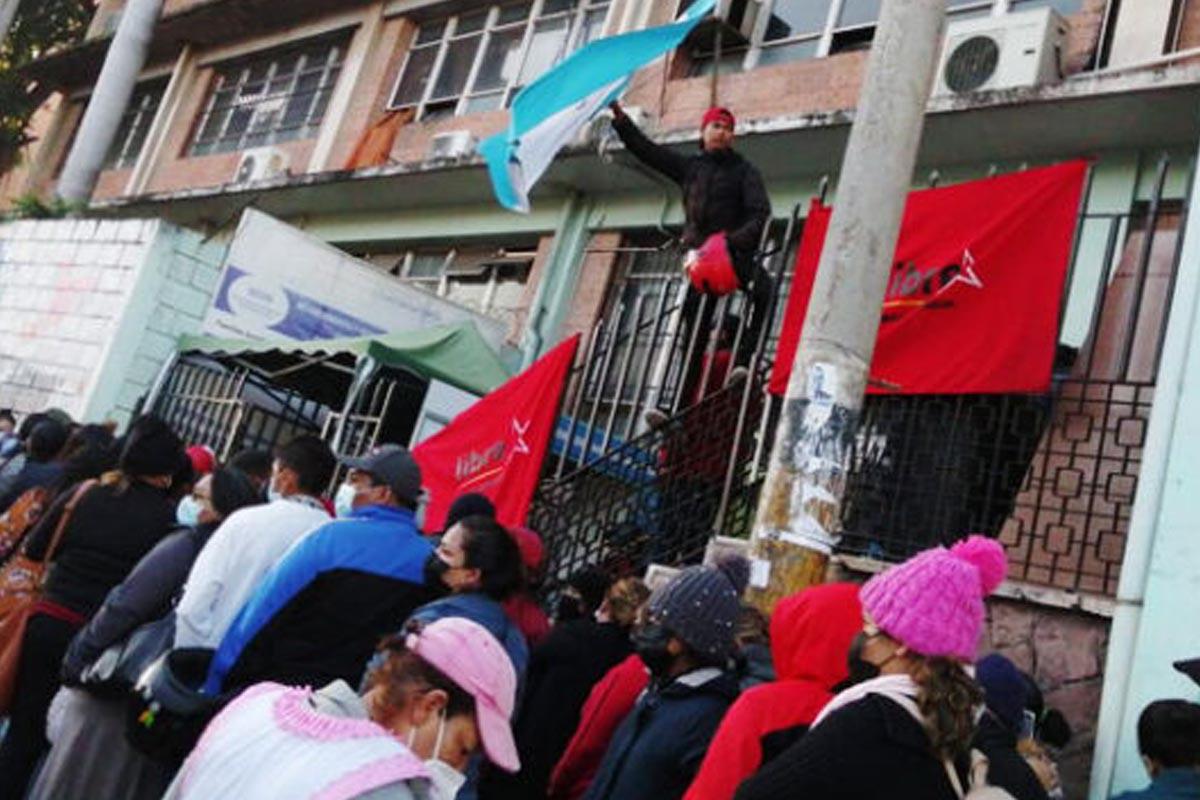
355 121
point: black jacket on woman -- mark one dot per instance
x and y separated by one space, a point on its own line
870 750
112 527
721 192
1007 768
146 595
562 670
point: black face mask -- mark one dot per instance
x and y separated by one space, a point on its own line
650 641
434 572
860 669
567 608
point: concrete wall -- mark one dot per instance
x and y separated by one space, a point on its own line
89 311
1064 651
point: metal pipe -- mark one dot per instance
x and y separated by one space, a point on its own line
714 338
580 388
693 337
623 375
1080 219
1110 250
645 371
1170 293
605 363
1141 274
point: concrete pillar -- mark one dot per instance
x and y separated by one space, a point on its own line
1154 622
552 299
798 517
118 77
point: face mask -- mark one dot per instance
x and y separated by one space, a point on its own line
567 608
444 780
343 501
651 641
435 571
188 511
860 669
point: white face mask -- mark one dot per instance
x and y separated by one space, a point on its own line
343 501
444 780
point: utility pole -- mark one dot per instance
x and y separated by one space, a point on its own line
8 10
799 512
110 97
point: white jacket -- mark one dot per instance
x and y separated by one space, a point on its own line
234 561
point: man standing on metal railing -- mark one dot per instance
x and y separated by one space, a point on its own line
723 199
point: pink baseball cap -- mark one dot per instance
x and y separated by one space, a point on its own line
471 657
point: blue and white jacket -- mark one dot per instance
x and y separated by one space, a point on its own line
322 609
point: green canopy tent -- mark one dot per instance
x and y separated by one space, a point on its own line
338 373
453 354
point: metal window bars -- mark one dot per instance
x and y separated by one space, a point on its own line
1052 476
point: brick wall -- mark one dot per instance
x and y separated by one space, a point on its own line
1189 25
595 276
1064 651
90 310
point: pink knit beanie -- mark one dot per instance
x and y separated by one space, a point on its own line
933 603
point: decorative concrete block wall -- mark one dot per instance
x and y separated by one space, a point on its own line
91 309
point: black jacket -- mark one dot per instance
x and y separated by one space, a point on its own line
144 596
1007 768
721 192
562 671
655 752
869 750
111 529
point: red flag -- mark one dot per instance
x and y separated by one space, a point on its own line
496 446
973 300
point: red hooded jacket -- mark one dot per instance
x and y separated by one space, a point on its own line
811 633
607 706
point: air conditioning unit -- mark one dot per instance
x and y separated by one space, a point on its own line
452 145
740 15
1011 51
260 164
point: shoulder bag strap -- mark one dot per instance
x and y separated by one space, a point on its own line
64 519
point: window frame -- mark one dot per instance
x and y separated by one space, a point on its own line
826 39
427 105
142 110
335 48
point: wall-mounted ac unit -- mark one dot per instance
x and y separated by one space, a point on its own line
260 164
452 145
1006 52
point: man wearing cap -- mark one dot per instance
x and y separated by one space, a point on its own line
318 614
722 193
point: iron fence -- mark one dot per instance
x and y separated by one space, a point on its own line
1052 476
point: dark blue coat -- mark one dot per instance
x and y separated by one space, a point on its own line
656 751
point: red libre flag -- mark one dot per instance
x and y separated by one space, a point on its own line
496 447
973 300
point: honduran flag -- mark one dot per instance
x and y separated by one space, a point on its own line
549 112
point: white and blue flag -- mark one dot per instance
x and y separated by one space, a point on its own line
549 112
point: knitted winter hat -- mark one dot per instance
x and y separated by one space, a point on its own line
701 605
933 603
1004 688
151 448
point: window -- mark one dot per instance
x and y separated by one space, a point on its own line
796 29
274 97
479 60
135 126
485 277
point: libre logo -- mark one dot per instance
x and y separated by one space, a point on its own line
478 465
913 286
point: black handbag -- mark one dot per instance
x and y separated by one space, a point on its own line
118 668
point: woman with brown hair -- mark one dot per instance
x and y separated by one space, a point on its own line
906 729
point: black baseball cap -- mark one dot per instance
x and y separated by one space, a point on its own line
393 466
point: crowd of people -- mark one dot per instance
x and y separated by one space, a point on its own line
236 629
